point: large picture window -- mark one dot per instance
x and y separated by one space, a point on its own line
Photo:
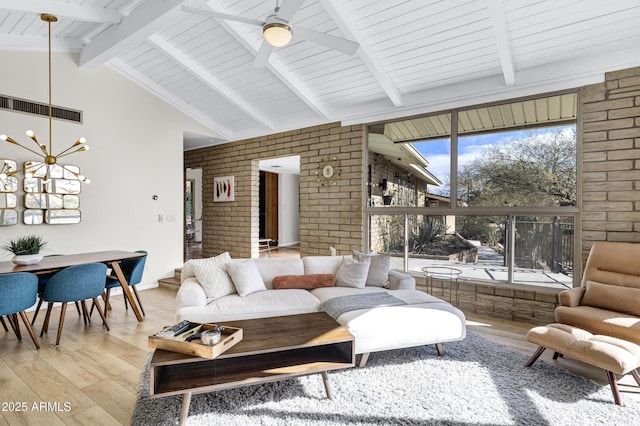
490 189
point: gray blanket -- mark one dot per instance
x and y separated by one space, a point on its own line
339 305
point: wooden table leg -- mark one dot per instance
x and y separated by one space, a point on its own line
126 290
325 380
184 413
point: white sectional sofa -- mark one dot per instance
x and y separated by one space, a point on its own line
407 317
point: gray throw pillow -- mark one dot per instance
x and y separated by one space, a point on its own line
378 275
246 277
352 273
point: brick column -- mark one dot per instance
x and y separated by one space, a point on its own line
610 178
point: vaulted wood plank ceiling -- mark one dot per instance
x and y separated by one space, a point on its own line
414 57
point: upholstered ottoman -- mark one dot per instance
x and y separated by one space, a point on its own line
614 355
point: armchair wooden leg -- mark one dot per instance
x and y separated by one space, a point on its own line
636 376
614 388
78 309
107 304
63 311
85 312
35 314
45 325
4 324
440 349
135 292
102 314
16 327
25 320
535 356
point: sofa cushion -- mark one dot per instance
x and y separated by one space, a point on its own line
612 297
245 277
270 303
378 275
270 267
353 273
322 264
601 321
212 276
304 281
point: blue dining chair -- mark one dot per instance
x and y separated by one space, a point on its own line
18 292
132 270
75 284
43 279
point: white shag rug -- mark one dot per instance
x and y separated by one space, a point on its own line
477 382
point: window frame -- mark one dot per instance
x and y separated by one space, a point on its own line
454 209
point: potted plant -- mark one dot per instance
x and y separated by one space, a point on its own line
26 250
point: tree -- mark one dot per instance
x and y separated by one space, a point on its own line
538 170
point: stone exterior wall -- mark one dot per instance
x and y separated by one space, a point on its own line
611 159
329 214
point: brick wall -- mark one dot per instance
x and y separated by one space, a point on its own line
611 159
329 214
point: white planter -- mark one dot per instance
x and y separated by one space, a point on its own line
27 259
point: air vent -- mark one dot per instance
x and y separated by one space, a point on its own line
37 108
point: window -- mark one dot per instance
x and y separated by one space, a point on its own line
495 196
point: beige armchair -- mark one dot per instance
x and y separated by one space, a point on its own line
608 300
599 322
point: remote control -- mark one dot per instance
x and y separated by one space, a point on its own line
175 329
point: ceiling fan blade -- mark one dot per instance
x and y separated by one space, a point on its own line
262 57
337 43
288 9
209 12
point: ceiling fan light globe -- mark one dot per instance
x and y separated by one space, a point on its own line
277 34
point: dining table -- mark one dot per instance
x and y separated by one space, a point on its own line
111 258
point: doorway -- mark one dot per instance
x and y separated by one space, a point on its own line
193 214
279 204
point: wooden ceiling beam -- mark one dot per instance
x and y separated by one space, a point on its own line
340 16
277 68
503 44
211 81
148 19
173 100
64 10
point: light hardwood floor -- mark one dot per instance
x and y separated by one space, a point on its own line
92 377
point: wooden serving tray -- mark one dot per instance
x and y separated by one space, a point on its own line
229 337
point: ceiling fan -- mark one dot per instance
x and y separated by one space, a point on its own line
278 31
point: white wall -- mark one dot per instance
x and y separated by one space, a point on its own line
135 152
288 209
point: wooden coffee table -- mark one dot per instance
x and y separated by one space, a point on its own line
272 349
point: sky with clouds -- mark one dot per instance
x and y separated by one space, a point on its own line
438 152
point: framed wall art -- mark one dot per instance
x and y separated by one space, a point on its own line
223 189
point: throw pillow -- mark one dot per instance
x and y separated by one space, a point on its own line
212 275
612 297
246 277
378 275
304 281
353 273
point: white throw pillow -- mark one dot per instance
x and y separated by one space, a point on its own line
378 275
246 277
212 275
353 273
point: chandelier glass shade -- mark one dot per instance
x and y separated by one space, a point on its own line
49 159
277 34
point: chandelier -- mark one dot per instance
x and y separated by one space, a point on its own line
49 159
